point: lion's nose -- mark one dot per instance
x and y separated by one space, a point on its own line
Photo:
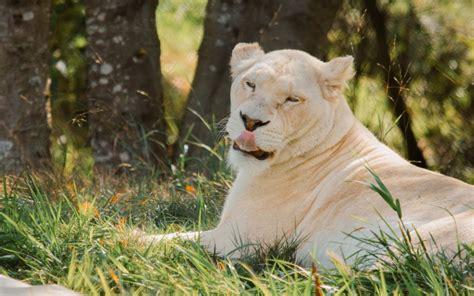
252 124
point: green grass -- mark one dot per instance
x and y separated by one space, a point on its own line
77 234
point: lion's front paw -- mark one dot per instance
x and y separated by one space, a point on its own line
143 237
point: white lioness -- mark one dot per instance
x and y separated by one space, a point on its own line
302 157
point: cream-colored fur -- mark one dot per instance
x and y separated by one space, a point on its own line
315 184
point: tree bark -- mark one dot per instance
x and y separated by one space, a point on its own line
394 87
24 70
301 24
124 87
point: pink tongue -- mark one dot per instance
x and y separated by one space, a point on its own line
246 141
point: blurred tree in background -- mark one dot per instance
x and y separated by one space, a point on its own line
396 85
124 84
413 87
24 60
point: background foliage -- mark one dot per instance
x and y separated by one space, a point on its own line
433 38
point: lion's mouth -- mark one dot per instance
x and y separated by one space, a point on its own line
258 154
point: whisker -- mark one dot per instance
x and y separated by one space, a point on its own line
222 122
221 128
272 133
276 136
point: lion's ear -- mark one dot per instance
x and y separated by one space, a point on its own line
336 73
244 55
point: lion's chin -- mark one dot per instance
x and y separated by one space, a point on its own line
258 154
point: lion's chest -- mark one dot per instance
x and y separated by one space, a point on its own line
265 210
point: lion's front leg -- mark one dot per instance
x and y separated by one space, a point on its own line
156 238
205 238
215 241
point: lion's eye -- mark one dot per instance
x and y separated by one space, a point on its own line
250 84
292 100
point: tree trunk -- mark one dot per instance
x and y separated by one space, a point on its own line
394 87
24 70
124 87
301 24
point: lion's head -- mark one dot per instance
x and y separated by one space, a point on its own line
283 104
